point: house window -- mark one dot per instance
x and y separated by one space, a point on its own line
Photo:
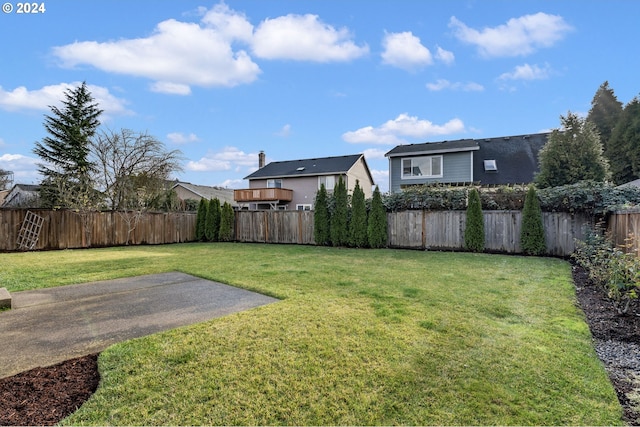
422 167
329 182
490 166
304 207
274 183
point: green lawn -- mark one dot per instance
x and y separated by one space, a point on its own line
361 337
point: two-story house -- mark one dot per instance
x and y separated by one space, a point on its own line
293 184
488 161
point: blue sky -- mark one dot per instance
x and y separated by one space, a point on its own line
221 81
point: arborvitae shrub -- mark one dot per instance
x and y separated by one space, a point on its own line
227 221
212 223
340 216
377 223
321 218
358 225
201 218
474 229
532 238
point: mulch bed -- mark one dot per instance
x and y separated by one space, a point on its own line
44 396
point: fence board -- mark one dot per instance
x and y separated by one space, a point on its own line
62 229
408 229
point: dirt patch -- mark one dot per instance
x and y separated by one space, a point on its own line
44 396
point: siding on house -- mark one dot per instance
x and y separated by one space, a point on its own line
456 167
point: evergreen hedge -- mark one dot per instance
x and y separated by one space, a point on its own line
212 222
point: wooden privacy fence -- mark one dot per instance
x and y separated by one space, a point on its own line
275 227
624 229
445 230
63 229
408 229
419 229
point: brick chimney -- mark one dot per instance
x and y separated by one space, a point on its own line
261 159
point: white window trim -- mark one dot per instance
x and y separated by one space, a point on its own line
304 206
403 176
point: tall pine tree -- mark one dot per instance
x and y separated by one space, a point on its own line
358 224
572 154
604 113
66 165
624 147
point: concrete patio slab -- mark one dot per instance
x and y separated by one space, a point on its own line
47 326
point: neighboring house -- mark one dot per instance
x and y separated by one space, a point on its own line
22 196
188 191
490 161
293 184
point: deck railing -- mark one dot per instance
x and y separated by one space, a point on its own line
263 195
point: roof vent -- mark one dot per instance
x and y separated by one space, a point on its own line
300 169
490 166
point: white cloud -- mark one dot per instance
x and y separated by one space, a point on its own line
41 99
229 158
229 24
445 56
285 132
394 131
374 154
518 37
404 50
24 168
171 88
527 72
233 183
442 84
176 55
381 179
180 138
304 38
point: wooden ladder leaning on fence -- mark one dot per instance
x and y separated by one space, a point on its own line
30 231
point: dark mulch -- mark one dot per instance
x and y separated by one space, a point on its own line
44 396
607 325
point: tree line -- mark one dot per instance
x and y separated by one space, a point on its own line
604 146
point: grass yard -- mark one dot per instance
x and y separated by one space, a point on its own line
361 337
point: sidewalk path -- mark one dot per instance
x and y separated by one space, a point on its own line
48 326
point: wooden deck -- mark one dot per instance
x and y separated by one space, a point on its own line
263 195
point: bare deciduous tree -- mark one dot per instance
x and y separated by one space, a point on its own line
132 171
132 167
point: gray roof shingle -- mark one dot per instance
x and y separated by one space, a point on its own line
306 167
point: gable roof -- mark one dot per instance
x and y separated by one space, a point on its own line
309 167
207 192
434 148
516 159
